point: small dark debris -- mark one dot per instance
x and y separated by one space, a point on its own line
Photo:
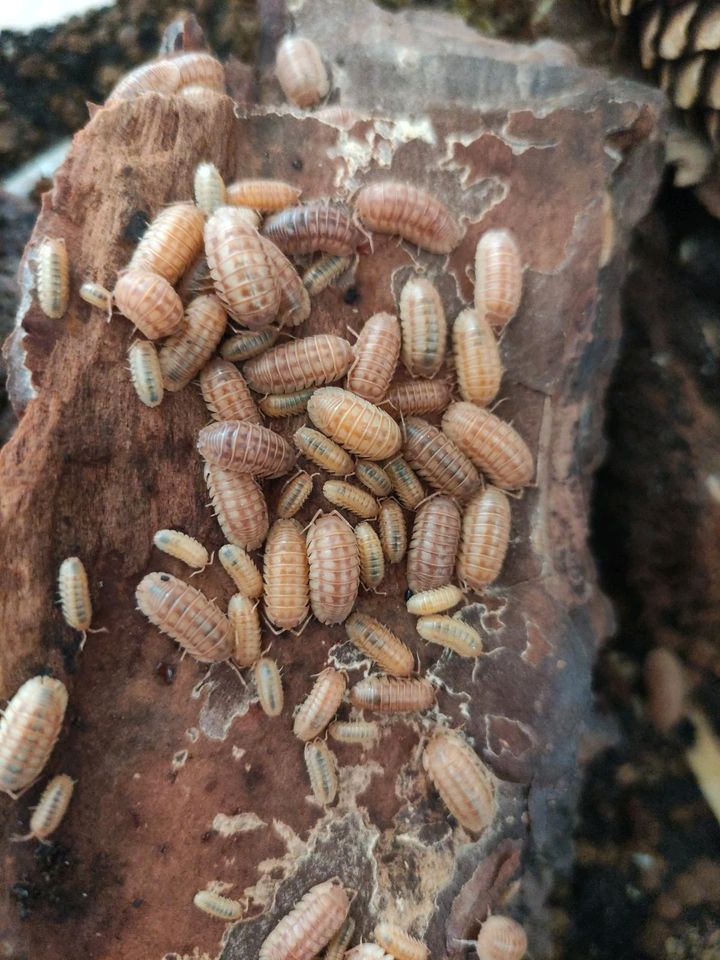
138 902
408 594
135 227
208 836
166 672
165 577
352 295
296 164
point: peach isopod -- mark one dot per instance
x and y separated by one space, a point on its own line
370 552
398 943
438 459
74 594
376 354
334 568
53 277
452 633
145 372
300 71
465 784
408 488
158 76
350 498
246 447
29 728
200 69
248 344
225 392
149 302
434 544
372 475
485 538
434 601
356 424
323 451
240 506
182 547
379 643
319 225
215 905
322 771
491 443
269 686
285 573
410 212
424 328
501 938
294 494
264 195
310 924
294 298
477 358
393 531
308 362
320 705
412 397
245 620
172 241
362 733
183 355
498 277
393 694
242 569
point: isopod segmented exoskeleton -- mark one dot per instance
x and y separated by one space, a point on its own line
436 600
294 494
498 277
356 424
393 694
491 443
182 547
322 770
308 362
280 405
97 296
477 358
319 225
393 531
52 279
359 733
246 448
413 397
300 71
75 594
408 488
339 943
310 924
452 633
323 451
149 302
410 212
198 68
438 459
225 392
372 475
51 808
172 241
501 938
294 299
324 272
29 728
269 686
334 568
145 372
158 76
398 943
370 552
353 499
434 544
268 196
245 620
183 355
379 643
485 538
376 354
424 328
222 908
320 705
285 573
465 784
209 188
248 344
240 506
242 569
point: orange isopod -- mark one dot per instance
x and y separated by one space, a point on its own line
319 225
324 272
354 423
398 943
393 694
498 277
310 925
424 328
246 447
240 506
477 358
249 344
294 298
436 600
158 76
452 633
370 552
268 196
208 188
278 405
242 569
308 362
245 620
372 475
269 686
410 212
334 568
323 451
29 728
186 353
172 241
393 531
379 643
418 396
491 443
465 785
198 68
285 574
225 392
300 71
350 498
405 482
321 766
294 494
438 460
53 277
485 538
376 355
501 938
149 302
145 372
320 705
434 544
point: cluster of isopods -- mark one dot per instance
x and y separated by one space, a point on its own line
221 256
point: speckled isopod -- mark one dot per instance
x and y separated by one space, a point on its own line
172 241
285 573
320 705
183 355
376 354
267 196
424 328
319 225
477 358
452 633
339 943
498 277
324 272
225 392
242 569
246 448
240 506
379 643
350 498
300 71
334 568
405 482
245 620
269 686
501 938
485 538
310 924
372 476
413 397
308 362
327 454
182 547
436 600
294 494
248 344
278 405
322 770
74 594
491 443
209 188
393 694
434 544
438 459
393 531
222 908
356 424
398 943
29 728
372 559
51 808
149 302
359 733
145 372
465 784
410 212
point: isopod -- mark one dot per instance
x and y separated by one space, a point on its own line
320 705
408 488
209 188
501 938
372 475
324 272
286 404
182 547
393 532
434 544
451 632
477 358
343 117
319 225
666 689
398 943
75 594
424 328
367 951
370 552
359 733
308 362
145 372
322 770
200 69
498 277
350 498
294 494
158 76
376 355
413 397
53 277
393 694
225 392
246 447
222 908
268 196
29 728
354 423
334 568
339 943
51 808
294 298
149 302
411 213
242 569
269 686
436 600
285 573
183 355
379 643
97 296
310 924
485 538
248 344
172 241
438 459
300 71
323 451
243 615
240 506
491 443
187 616
465 785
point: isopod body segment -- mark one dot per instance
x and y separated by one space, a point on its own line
294 494
452 633
438 459
286 575
97 296
225 392
372 476
246 447
477 358
145 372
356 424
393 694
172 241
398 943
376 354
319 225
498 277
493 445
240 506
242 569
501 938
310 925
52 279
51 808
465 785
412 213
350 498
243 615
405 482
182 547
29 728
327 454
300 71
184 354
215 905
334 568
485 538
267 196
269 686
286 404
370 552
308 362
74 594
424 328
248 344
294 298
150 302
436 600
379 643
320 705
393 531
434 544
412 397
362 733
322 770
324 272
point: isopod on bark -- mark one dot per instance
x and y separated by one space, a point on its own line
323 451
145 372
434 544
436 600
75 594
424 328
354 423
376 354
279 405
334 568
225 392
308 362
242 569
413 397
359 733
438 459
501 938
300 71
398 943
209 188
320 705
324 272
269 686
485 538
97 296
268 196
322 770
465 785
29 728
492 444
477 358
339 943
393 531
294 298
248 344
452 633
310 924
350 498
372 475
240 506
319 225
222 908
183 355
393 694
408 488
149 302
246 448
410 212
379 643
243 615
370 552
172 241
51 808
498 277
294 494
183 547
285 574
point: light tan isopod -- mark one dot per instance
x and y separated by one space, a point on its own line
294 298
97 296
186 615
350 498
200 69
246 448
465 785
485 538
308 362
491 443
477 358
372 475
248 344
323 451
372 560
245 620
393 531
145 372
51 808
158 76
498 277
183 355
225 392
379 643
285 572
172 241
241 271
393 694
29 728
310 924
354 423
320 705
324 272
376 355
414 397
322 770
367 951
501 938
666 689
408 488
294 494
279 405
319 225
334 568
434 544
242 569
451 632
222 908
436 600
149 302
240 506
264 195
411 213
359 733
438 459
269 686
52 279
182 547
424 328
75 594
339 943
398 943
300 71
209 188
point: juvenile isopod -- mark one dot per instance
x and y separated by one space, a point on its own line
310 924
319 225
354 423
379 643
339 943
182 547
477 358
145 372
268 196
334 568
320 705
97 296
225 392
498 277
451 632
187 616
393 531
372 560
29 728
324 272
501 938
434 544
53 277
240 506
248 344
491 443
414 397
246 447
485 538
285 572
393 694
350 498
183 355
465 785
300 71
323 451
294 494
376 355
280 405
51 808
398 943
367 951
372 475
308 362
243 615
359 733
242 569
424 328
411 213
75 594
408 488
438 459
149 302
222 908
158 76
209 188
172 241
269 686
322 770
294 298
436 600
